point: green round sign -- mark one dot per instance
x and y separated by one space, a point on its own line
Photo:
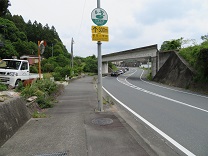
99 16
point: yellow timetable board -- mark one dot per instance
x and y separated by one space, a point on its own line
100 37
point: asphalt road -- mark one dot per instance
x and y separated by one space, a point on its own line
178 115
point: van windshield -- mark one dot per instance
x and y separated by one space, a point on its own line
10 64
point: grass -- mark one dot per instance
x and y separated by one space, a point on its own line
44 89
3 87
37 114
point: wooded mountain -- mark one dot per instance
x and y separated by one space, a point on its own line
21 38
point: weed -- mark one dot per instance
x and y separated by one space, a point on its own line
3 87
20 87
37 114
149 76
105 101
44 102
42 89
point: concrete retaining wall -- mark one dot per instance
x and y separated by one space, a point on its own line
163 56
174 72
13 115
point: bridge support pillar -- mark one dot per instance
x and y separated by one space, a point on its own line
105 67
154 66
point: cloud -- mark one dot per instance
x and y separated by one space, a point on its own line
132 24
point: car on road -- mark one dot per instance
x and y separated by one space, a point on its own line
115 73
120 72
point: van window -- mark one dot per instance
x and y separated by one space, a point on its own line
10 64
24 66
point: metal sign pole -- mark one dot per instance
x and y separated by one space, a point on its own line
98 3
100 99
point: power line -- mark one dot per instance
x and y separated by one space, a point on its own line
81 19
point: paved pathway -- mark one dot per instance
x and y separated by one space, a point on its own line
73 128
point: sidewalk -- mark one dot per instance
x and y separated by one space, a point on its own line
73 128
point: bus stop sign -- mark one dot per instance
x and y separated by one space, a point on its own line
99 16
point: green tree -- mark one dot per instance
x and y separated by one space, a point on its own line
171 45
19 22
204 39
50 61
10 31
62 60
91 64
202 63
4 4
24 47
8 50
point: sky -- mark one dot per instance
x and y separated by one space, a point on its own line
131 23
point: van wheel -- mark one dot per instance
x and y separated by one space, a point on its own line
17 82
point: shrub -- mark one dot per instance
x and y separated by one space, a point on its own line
47 75
48 67
65 71
47 86
42 89
20 87
34 69
3 87
57 76
197 57
149 76
44 102
202 64
60 73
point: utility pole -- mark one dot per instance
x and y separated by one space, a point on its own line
72 63
52 49
41 49
39 59
100 98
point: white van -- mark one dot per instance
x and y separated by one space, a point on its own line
12 71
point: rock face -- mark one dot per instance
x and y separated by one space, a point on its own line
174 72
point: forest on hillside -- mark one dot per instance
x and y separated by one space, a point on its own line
18 38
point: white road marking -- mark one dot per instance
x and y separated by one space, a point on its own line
176 144
171 88
125 82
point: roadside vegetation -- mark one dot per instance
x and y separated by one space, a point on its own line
37 114
3 87
44 89
195 54
18 38
112 66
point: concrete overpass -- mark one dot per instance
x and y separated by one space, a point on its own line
149 51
